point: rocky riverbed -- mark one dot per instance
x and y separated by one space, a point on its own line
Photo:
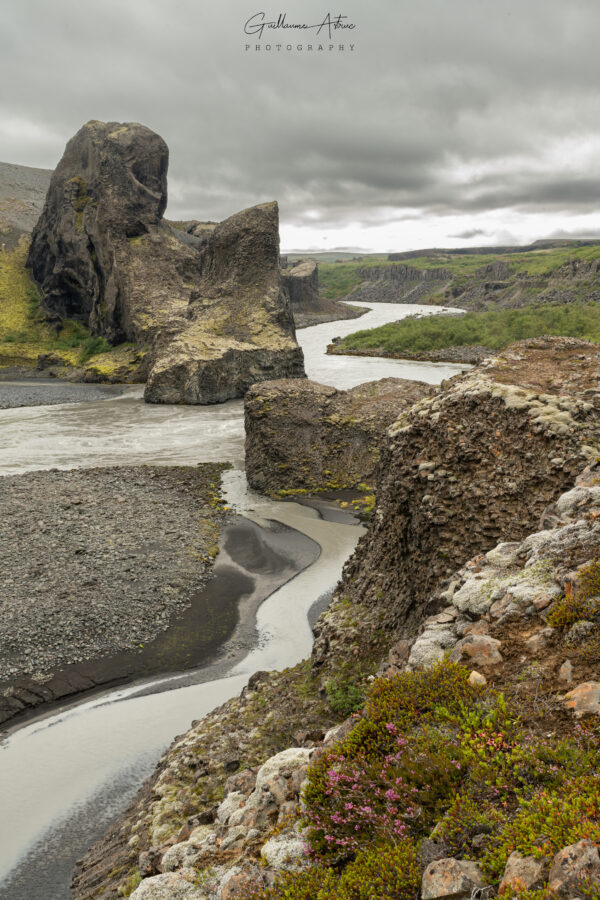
44 392
98 560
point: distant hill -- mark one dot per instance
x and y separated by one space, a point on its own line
22 194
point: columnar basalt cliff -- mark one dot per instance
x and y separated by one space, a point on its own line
305 436
308 307
238 327
399 284
480 460
209 297
520 609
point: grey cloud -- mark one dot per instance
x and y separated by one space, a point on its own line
367 137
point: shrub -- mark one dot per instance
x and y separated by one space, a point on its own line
581 603
345 697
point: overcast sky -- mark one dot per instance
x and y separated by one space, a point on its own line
452 122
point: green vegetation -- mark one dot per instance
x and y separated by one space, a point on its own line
345 696
24 333
494 329
582 603
431 752
338 279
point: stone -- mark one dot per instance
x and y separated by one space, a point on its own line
451 878
523 873
580 632
476 678
284 852
238 328
565 673
584 700
474 596
478 649
282 763
539 641
572 866
169 886
230 804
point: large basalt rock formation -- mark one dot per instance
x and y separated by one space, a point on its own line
308 308
477 462
210 296
238 328
107 196
307 436
399 284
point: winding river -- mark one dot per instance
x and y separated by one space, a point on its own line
66 775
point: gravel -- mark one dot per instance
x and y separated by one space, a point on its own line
49 393
94 561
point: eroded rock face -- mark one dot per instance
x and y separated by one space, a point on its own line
476 462
238 328
302 285
101 224
300 434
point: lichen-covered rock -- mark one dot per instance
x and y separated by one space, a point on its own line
307 436
584 700
523 873
170 886
473 465
456 878
573 866
238 328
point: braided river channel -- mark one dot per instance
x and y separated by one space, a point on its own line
67 773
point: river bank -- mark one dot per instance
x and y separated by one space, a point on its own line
16 391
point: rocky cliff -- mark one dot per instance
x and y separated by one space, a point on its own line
399 284
209 297
304 436
308 308
481 462
441 783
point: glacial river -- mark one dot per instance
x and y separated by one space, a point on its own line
66 775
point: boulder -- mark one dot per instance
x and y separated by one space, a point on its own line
523 873
170 886
478 650
304 435
451 878
575 864
584 700
238 328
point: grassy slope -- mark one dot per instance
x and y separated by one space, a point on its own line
494 329
339 279
24 334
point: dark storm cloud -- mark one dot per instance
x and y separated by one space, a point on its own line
443 108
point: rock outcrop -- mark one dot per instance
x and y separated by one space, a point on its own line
308 307
301 435
478 461
210 297
399 283
238 327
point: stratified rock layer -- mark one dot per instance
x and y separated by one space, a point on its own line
304 435
480 460
238 328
